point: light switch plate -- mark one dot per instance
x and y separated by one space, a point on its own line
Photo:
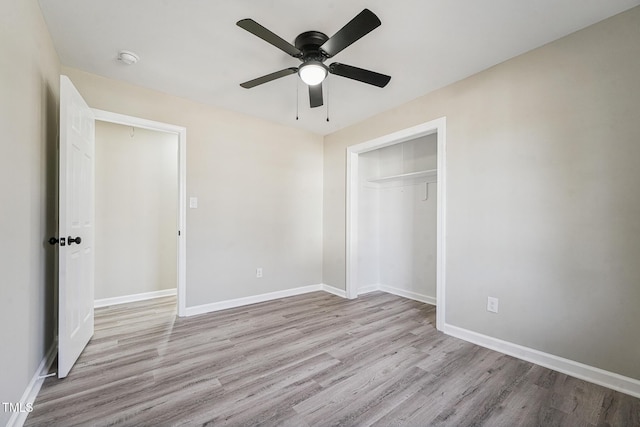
193 202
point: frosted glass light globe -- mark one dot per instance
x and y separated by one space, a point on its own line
312 72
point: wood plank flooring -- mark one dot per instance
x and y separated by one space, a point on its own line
309 360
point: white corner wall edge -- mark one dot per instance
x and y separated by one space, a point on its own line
33 388
579 370
254 299
105 302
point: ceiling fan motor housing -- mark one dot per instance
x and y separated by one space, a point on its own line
309 43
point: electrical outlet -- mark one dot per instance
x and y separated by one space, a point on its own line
492 304
259 272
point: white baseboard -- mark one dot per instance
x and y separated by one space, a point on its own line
335 291
399 292
594 375
254 299
33 388
408 294
368 289
104 302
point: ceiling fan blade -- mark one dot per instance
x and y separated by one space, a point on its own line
360 74
364 22
258 30
315 95
269 77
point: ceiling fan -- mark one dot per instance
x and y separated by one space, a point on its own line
313 48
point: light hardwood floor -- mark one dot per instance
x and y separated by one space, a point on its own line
309 360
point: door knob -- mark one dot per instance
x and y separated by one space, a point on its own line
53 241
77 240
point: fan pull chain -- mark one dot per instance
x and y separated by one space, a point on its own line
297 97
327 86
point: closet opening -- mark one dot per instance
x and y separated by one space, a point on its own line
395 215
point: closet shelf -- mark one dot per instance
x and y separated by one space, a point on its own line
420 176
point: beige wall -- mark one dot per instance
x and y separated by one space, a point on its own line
259 189
29 93
542 197
136 210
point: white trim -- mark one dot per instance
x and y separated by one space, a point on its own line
441 228
408 294
438 127
594 375
33 388
397 291
368 289
334 291
107 116
351 250
104 302
239 302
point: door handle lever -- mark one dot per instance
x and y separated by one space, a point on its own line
77 240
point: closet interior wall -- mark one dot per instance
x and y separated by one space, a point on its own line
397 219
136 211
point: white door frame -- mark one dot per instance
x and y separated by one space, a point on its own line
438 127
181 132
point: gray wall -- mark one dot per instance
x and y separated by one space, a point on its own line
29 94
543 204
136 210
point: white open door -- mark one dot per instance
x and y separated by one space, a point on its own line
76 228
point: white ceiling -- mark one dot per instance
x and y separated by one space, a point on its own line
193 49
